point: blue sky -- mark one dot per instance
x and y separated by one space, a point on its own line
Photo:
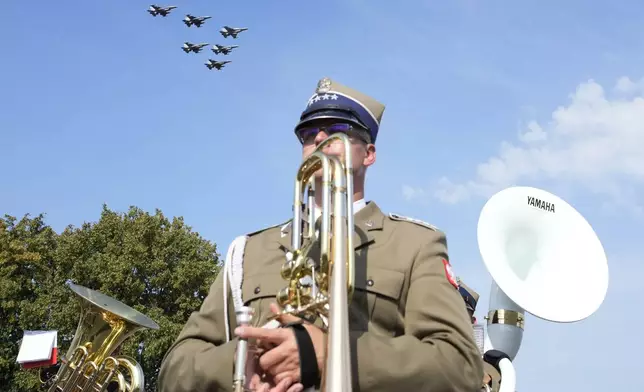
99 105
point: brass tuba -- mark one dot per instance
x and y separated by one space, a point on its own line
89 363
323 288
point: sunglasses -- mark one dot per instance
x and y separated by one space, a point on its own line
308 134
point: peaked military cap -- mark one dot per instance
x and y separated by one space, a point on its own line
470 296
333 100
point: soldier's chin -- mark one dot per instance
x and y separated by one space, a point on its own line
318 174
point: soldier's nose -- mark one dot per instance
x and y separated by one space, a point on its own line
319 138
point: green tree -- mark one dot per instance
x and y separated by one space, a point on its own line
158 266
27 248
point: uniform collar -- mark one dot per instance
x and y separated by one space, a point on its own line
368 219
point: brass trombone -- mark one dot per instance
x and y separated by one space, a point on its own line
316 287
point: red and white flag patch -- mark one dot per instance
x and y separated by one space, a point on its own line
449 273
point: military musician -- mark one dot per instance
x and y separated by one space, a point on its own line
491 375
409 330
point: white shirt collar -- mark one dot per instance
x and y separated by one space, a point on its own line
357 206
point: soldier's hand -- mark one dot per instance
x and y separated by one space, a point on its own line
487 381
282 358
267 384
258 381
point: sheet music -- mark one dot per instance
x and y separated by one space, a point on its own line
37 346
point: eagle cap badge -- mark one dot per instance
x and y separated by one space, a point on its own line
324 86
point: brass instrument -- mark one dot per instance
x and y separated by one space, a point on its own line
317 287
88 364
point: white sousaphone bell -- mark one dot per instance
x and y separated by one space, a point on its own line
544 259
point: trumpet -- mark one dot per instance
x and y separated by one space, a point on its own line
89 363
323 287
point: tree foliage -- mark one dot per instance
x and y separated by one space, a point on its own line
158 266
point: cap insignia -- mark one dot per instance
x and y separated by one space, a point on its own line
324 97
324 86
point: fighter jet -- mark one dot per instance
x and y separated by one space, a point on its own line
190 20
155 10
188 47
215 64
221 49
231 31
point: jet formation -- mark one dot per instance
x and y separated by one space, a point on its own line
199 21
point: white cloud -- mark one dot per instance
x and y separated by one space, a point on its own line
410 193
534 133
627 86
596 142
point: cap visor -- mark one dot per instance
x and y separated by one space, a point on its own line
329 114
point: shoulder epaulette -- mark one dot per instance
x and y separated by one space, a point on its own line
268 228
412 220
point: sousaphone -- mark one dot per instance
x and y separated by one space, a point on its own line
544 259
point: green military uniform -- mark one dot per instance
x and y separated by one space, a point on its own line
471 299
408 328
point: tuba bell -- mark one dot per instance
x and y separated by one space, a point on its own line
323 287
533 243
90 364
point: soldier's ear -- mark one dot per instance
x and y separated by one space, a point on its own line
370 155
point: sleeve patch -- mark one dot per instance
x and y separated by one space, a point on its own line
449 273
412 220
